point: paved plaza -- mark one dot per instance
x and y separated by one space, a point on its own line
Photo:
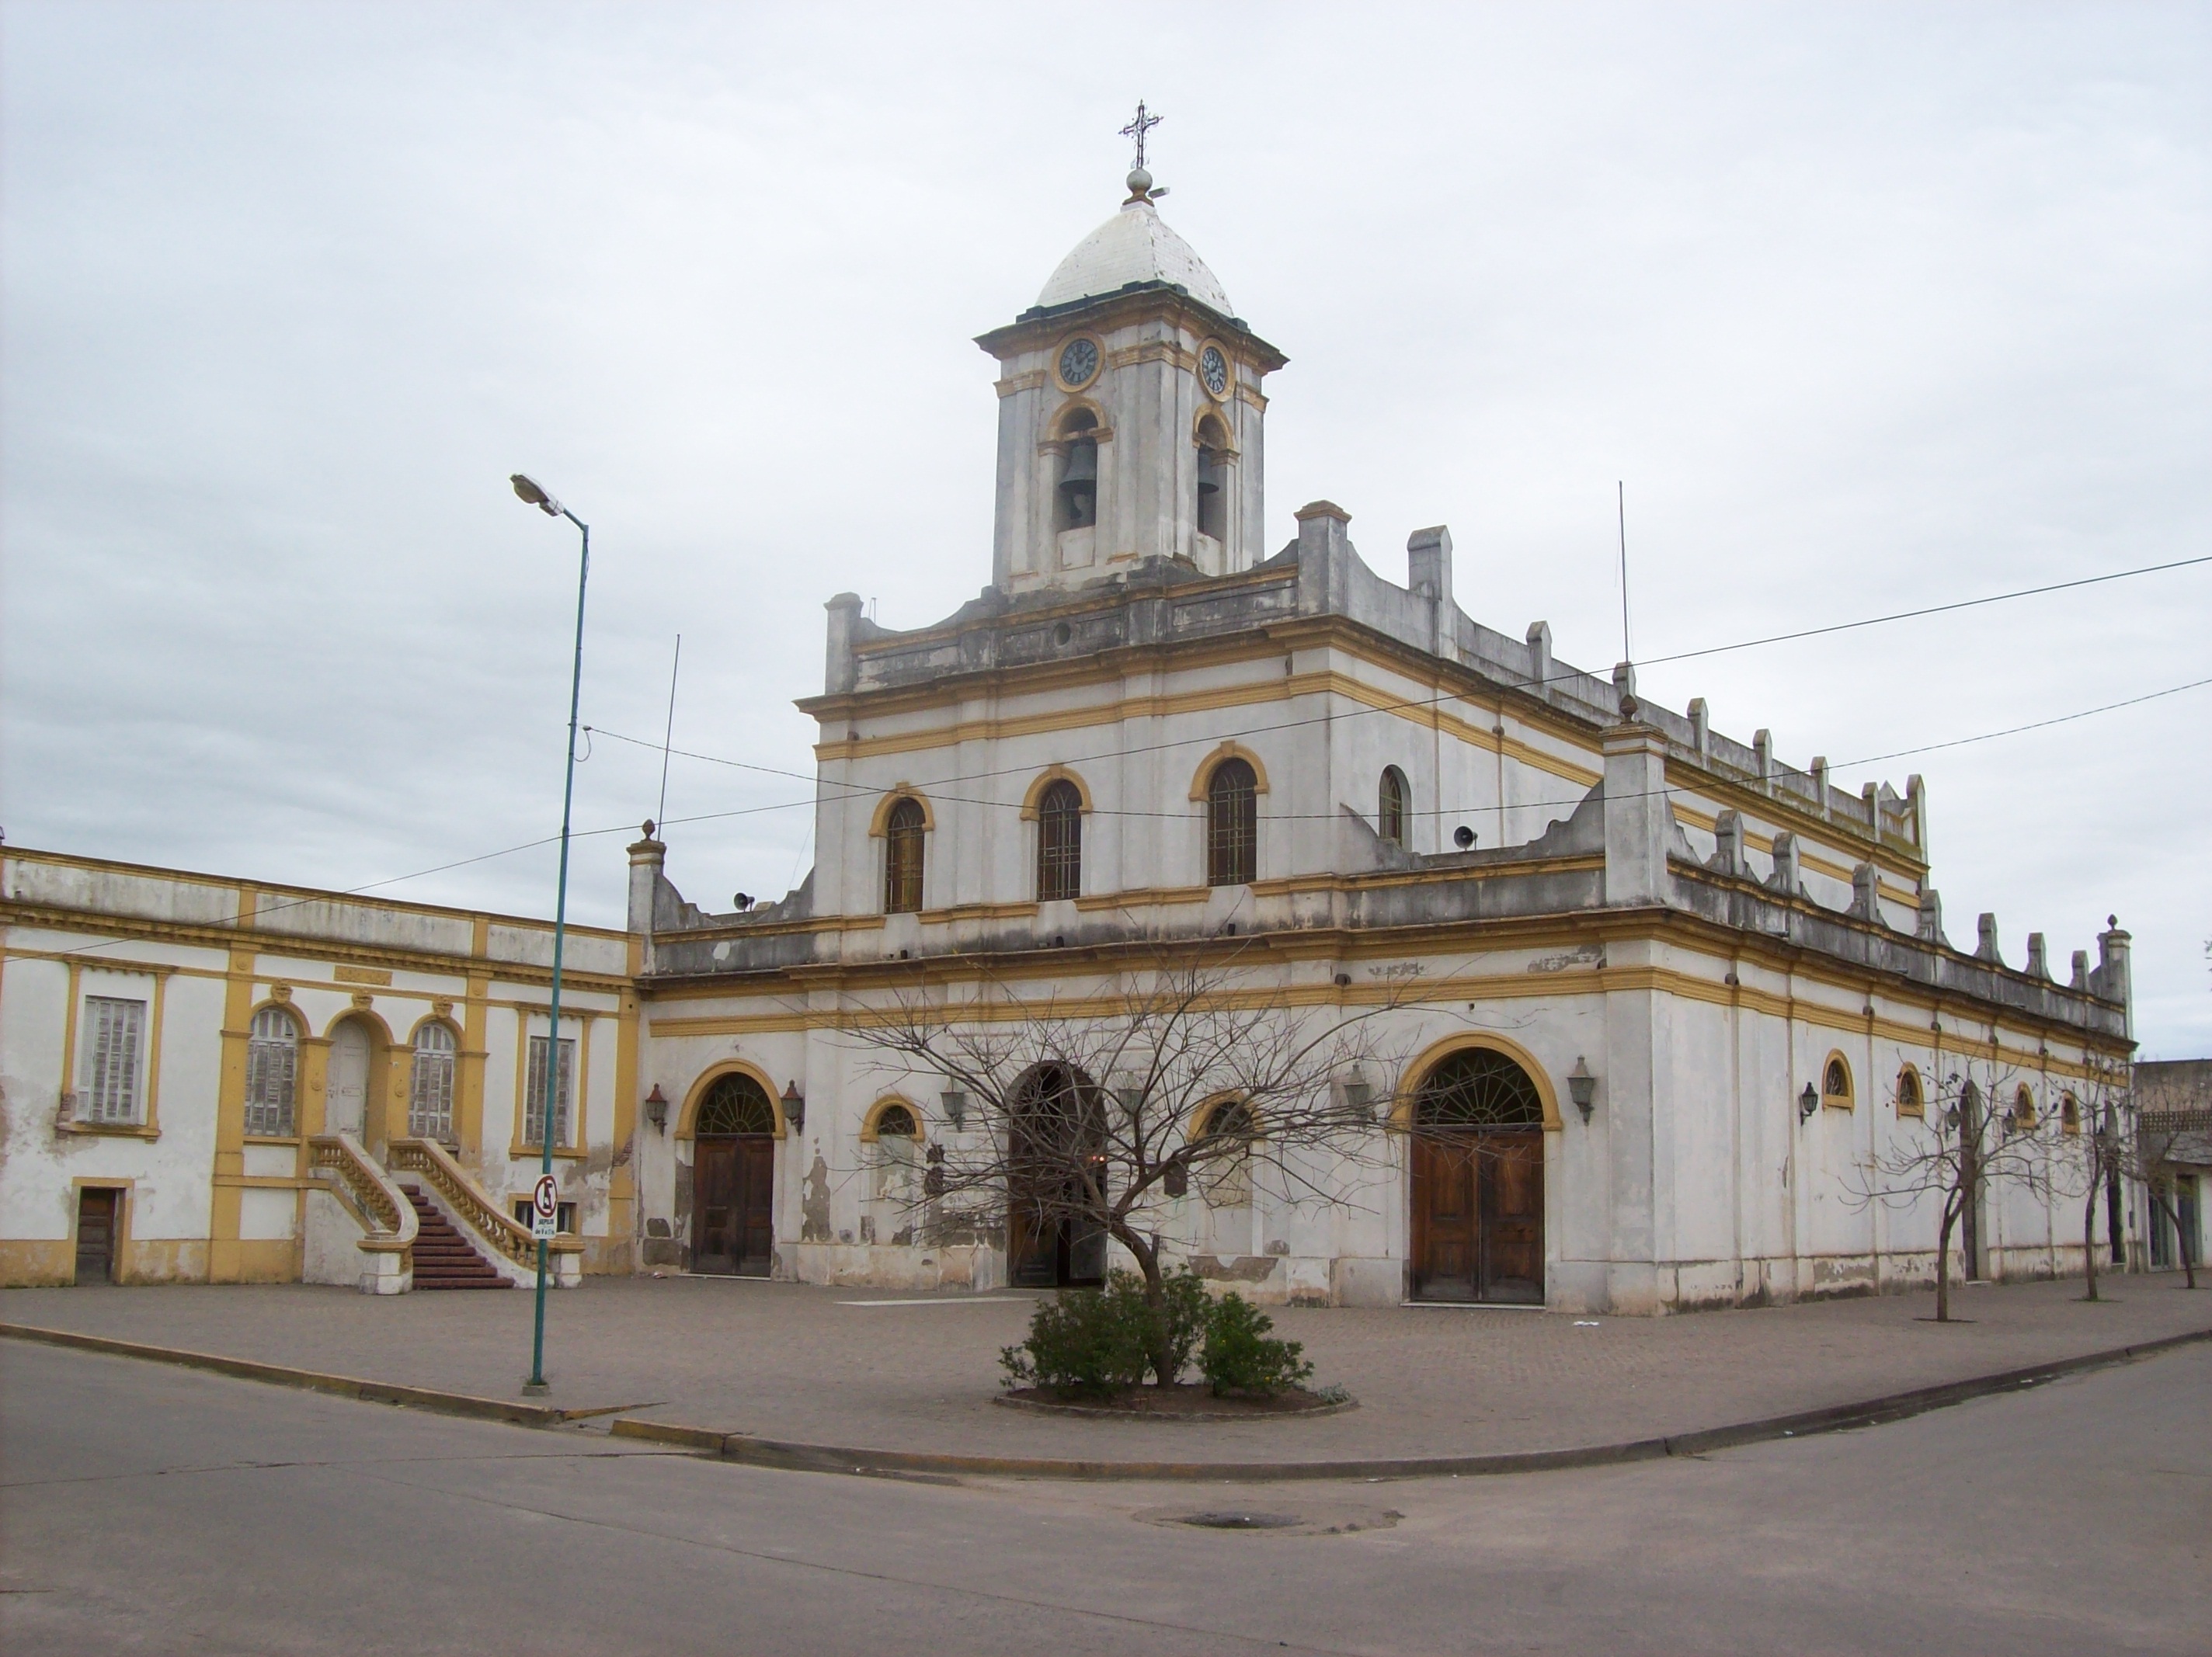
149 1509
860 1367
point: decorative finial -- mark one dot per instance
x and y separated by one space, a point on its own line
1140 181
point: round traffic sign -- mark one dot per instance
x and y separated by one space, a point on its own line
545 1200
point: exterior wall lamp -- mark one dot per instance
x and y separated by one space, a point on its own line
794 1106
955 1108
656 1109
1582 1088
1807 1102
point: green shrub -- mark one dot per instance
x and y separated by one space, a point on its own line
1242 1356
1096 1341
1186 1311
1080 1341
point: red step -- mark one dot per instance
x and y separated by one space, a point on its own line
444 1258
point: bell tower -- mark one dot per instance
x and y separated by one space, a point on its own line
1130 412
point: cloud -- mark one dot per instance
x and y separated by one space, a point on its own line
1868 307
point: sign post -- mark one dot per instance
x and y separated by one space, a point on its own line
545 1210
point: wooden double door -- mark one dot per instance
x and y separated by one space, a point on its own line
1049 1249
1478 1216
733 1204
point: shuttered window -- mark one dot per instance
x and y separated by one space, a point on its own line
1390 805
902 858
533 1118
272 1071
1059 843
115 1037
1232 824
430 1095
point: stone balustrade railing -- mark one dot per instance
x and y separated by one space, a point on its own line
472 1203
385 1217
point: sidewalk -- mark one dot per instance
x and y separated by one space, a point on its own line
858 1367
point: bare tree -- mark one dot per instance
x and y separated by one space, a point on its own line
2148 1155
2097 1118
1971 1135
1091 1111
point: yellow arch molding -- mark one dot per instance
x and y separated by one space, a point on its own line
1211 763
687 1119
1044 781
1849 1097
879 824
868 1135
1409 1082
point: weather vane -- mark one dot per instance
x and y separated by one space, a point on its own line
1137 128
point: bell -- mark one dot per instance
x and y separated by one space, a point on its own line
1079 487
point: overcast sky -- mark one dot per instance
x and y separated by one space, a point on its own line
1869 307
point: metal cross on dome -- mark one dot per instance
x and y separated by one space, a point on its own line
1137 128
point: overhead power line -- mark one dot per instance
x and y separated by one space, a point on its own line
1931 609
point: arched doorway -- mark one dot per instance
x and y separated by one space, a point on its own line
1477 1182
733 1179
352 1048
1059 1125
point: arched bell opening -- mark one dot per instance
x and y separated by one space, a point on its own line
1075 491
1212 514
1057 1135
1478 1187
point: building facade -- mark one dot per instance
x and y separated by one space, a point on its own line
1715 989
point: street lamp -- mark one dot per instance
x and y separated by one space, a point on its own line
545 503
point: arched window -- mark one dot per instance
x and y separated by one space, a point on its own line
1232 824
1225 1176
2069 1113
1478 1088
2023 1109
1390 806
1060 842
892 1168
1075 505
430 1095
1212 513
1911 1102
902 859
272 1071
735 1104
894 1122
1836 1083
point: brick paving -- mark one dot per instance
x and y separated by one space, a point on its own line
865 1368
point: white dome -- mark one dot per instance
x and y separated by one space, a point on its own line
1132 246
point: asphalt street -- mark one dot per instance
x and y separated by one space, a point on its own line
149 1509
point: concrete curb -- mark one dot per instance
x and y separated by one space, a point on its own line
1892 1406
277 1375
798 1457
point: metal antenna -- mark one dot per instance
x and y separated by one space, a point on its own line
1137 128
1620 499
669 734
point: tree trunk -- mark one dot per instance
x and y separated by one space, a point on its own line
2183 1243
1148 1262
2089 1241
1944 1262
2115 1228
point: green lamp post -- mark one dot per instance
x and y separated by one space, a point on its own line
545 503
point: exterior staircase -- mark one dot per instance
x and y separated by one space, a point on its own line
443 1258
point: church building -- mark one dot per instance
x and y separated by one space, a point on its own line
1703 989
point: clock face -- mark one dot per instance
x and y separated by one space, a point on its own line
1213 370
1079 360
